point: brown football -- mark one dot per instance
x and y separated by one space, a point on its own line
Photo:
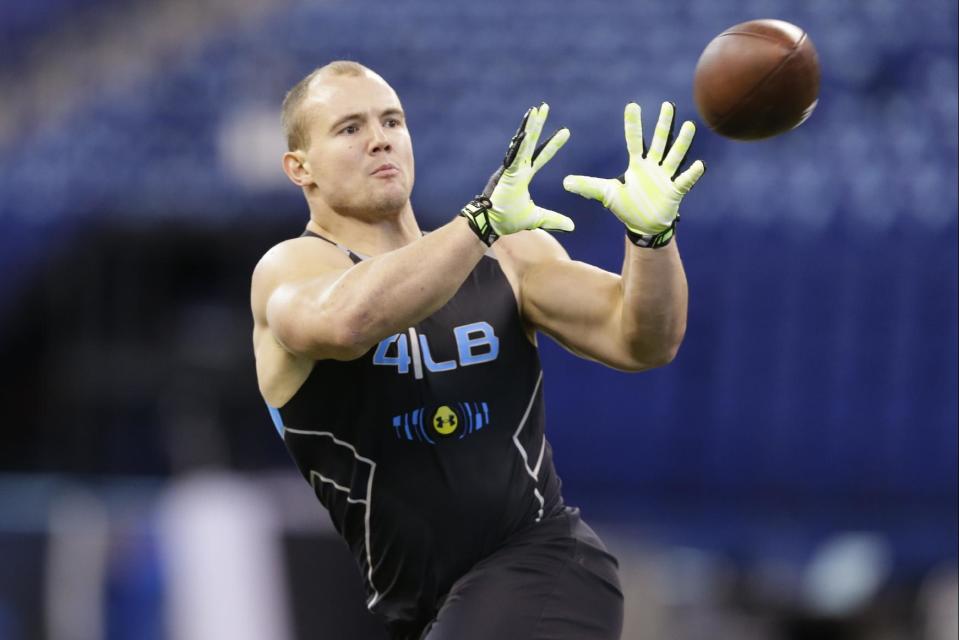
757 79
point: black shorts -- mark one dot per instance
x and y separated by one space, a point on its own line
555 580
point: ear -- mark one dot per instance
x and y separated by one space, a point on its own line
297 169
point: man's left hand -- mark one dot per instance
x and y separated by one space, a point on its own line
646 197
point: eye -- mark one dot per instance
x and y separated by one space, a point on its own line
392 122
350 129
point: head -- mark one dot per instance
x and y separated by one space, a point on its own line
349 148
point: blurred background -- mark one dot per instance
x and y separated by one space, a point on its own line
792 474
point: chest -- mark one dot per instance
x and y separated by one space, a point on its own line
470 329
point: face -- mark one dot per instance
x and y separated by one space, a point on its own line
360 157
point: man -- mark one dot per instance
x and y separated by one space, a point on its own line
401 369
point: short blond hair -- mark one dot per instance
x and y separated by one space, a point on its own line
294 128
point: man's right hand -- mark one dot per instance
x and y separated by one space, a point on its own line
508 207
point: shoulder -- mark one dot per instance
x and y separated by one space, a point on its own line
291 261
519 252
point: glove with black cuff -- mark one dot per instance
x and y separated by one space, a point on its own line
505 205
646 197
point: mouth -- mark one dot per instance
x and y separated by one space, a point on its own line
386 170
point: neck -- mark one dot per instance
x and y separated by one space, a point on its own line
368 236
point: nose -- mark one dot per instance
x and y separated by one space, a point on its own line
378 139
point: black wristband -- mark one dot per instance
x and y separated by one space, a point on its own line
476 213
657 241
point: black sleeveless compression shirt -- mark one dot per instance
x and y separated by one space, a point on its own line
429 450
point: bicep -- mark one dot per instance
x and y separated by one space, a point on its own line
290 311
288 304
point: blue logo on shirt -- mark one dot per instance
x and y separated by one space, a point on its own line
476 343
431 424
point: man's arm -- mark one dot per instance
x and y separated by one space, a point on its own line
636 320
317 306
633 321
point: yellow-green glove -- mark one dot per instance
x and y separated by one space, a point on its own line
646 197
505 206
